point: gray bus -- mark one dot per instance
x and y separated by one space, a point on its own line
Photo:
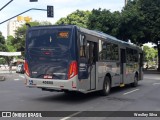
70 58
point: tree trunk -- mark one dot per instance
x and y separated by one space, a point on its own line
158 47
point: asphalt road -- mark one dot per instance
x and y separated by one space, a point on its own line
14 96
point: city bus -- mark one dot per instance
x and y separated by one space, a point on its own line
70 58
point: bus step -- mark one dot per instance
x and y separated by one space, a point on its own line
122 85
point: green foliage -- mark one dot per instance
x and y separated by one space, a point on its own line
146 25
104 20
9 44
131 24
140 21
4 48
18 43
2 42
2 60
150 9
79 18
149 53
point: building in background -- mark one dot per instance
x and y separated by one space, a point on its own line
126 2
14 24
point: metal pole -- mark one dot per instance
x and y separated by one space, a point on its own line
6 5
23 13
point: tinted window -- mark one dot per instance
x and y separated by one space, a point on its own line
109 52
49 38
132 55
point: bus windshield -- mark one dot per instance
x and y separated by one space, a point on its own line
49 39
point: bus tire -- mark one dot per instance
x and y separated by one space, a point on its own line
106 86
135 83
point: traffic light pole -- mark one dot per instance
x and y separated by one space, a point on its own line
23 13
6 5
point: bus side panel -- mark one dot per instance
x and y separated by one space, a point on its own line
100 75
131 69
83 85
110 68
129 73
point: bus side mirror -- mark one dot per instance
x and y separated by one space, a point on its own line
83 68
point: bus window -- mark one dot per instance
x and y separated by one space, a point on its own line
82 46
109 52
132 55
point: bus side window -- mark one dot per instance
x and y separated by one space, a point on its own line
82 46
92 52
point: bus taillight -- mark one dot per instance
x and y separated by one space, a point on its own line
73 69
26 68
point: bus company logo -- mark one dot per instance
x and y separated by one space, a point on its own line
6 114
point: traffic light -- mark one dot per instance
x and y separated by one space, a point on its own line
49 11
33 0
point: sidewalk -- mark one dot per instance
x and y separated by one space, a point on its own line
4 70
151 72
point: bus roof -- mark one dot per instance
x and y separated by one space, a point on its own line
110 38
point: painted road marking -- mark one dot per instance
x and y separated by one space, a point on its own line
130 92
16 79
65 118
21 76
156 83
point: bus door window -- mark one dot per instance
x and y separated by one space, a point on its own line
83 58
92 52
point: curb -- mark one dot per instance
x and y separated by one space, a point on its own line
2 78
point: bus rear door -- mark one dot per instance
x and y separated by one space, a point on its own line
123 66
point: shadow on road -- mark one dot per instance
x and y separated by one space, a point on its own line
75 97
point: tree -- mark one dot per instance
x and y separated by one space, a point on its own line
140 22
131 24
9 44
104 20
149 54
79 18
20 35
2 42
4 48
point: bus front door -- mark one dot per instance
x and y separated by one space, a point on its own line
92 55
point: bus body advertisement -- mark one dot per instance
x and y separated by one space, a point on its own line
70 58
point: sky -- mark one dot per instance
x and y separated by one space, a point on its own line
61 9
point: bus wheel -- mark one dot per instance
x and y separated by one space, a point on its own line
106 86
135 83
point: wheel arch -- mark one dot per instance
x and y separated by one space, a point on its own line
137 74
